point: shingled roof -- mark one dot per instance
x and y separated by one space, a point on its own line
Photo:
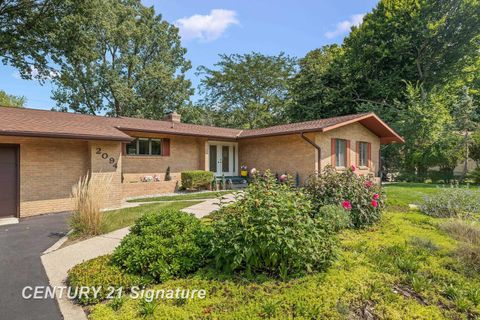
42 123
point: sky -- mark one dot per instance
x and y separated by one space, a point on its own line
212 27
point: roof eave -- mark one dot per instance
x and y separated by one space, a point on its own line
32 134
177 133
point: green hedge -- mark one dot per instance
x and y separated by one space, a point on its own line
197 179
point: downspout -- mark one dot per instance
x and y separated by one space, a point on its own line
316 146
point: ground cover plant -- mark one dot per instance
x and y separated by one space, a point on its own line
408 265
403 268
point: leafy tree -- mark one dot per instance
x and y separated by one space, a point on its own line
249 90
466 121
475 148
10 100
120 58
24 29
418 41
318 87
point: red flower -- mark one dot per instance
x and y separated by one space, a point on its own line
346 205
376 196
283 178
374 203
368 184
353 168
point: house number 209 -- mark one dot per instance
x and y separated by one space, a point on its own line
104 156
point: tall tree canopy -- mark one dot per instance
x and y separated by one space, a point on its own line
24 29
417 41
247 91
120 58
10 100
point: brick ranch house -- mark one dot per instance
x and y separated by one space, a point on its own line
44 153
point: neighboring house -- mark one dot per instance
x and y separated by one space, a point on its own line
44 153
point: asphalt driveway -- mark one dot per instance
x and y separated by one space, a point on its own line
20 248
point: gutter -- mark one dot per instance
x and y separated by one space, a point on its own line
316 146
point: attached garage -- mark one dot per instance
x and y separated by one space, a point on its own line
9 181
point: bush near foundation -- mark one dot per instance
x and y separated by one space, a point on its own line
361 197
163 245
270 230
196 179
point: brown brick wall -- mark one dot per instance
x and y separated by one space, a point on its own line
48 170
185 154
353 132
280 154
137 189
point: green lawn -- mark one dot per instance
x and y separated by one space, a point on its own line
402 194
186 196
117 219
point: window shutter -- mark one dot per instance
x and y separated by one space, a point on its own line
347 151
166 147
357 156
369 154
332 155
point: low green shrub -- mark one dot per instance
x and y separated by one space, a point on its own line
441 176
100 272
196 179
163 245
270 230
452 202
335 216
362 198
475 175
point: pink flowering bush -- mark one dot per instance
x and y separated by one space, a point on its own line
359 196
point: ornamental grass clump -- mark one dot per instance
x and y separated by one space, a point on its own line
361 197
89 196
269 230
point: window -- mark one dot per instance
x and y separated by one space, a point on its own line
132 147
145 146
156 147
340 153
363 154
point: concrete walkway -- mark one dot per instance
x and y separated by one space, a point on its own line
58 262
200 210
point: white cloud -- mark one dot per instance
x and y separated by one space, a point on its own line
206 27
344 27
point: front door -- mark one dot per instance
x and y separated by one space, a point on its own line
8 181
223 158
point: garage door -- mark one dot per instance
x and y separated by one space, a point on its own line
8 181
